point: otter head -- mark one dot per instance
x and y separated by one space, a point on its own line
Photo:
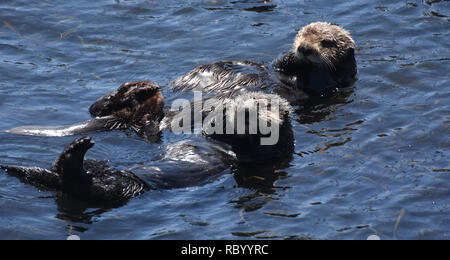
322 59
134 104
257 126
324 44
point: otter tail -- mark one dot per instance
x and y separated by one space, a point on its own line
96 124
35 176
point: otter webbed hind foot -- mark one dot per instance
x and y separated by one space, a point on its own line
51 179
70 162
88 180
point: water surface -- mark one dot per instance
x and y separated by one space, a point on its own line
372 161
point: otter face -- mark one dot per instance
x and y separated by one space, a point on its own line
133 104
257 126
323 44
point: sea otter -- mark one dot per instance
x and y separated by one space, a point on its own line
185 163
322 60
83 179
134 105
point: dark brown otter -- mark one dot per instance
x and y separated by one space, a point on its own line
321 60
87 180
135 105
185 163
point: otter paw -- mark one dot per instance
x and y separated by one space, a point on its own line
80 145
71 159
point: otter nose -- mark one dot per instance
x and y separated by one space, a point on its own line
305 49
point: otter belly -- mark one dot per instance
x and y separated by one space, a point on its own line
192 162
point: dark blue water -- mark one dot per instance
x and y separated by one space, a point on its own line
373 162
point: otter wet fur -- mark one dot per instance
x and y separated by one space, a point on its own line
321 61
134 105
88 180
329 54
248 146
185 163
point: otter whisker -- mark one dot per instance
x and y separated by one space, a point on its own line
114 126
328 62
135 128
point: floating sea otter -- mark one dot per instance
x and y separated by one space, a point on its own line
185 163
135 105
322 60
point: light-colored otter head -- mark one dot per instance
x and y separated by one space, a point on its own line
257 125
324 44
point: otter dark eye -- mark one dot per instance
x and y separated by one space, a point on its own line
328 43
